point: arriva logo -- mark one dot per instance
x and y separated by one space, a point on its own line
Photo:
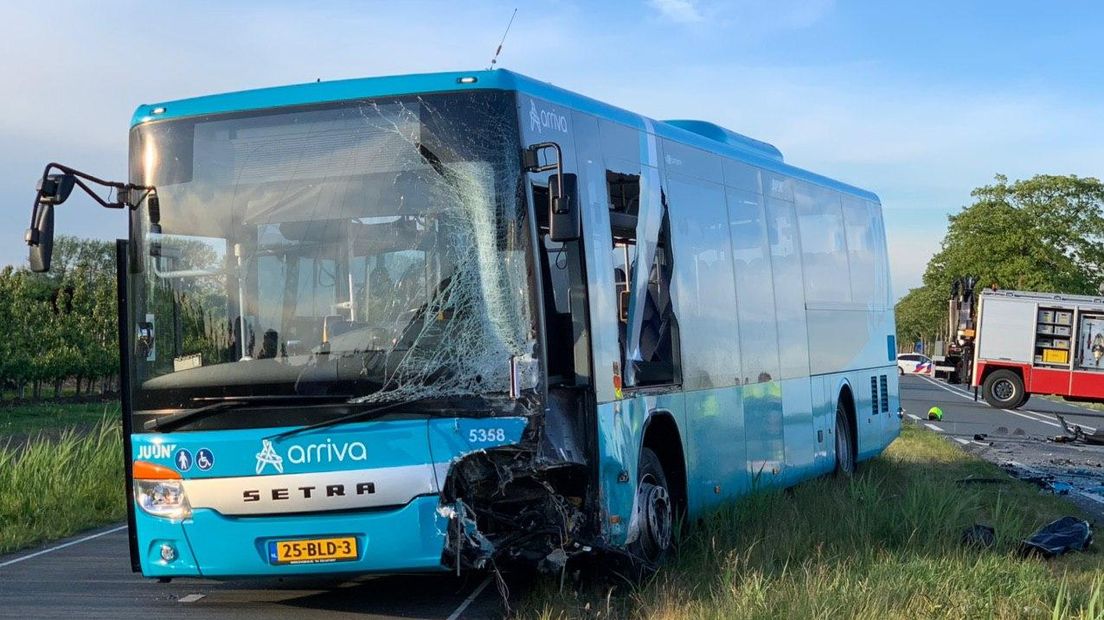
156 451
539 120
269 456
328 452
325 452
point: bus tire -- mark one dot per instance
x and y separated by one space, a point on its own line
1003 389
845 446
656 511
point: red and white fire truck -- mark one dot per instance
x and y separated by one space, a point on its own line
1038 343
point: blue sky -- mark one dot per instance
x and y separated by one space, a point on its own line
917 101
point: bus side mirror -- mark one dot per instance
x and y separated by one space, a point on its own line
40 238
564 222
54 189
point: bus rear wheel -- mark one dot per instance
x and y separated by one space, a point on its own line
1003 389
655 510
845 447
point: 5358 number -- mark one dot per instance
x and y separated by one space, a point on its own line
486 435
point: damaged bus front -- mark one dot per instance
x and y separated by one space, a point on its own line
333 340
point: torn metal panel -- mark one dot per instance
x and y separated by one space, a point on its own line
1076 433
648 225
561 437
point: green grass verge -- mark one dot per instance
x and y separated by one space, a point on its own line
24 420
56 486
1087 405
885 544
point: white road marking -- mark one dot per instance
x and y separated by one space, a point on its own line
1093 496
62 546
934 427
1048 415
1045 418
914 417
962 441
940 385
455 615
191 598
1032 418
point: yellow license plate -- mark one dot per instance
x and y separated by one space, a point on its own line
312 550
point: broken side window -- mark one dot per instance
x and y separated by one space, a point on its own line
653 352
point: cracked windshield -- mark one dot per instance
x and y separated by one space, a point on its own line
375 250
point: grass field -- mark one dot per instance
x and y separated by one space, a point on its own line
25 420
886 544
60 480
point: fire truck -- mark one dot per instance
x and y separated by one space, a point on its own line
954 360
1038 343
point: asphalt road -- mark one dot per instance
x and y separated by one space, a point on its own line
1019 440
89 577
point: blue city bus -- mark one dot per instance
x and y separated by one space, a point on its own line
450 321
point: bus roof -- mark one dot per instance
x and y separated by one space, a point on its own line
700 134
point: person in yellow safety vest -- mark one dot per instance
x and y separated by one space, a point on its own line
935 413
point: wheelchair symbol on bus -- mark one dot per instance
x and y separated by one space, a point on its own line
205 459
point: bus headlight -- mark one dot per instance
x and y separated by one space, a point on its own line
162 498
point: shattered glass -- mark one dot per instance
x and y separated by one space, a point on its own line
378 250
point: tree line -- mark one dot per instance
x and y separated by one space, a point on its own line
59 329
1043 234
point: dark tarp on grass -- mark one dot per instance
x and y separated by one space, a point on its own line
1058 537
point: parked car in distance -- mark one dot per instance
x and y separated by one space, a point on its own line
914 364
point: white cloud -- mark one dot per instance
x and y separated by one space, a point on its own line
681 11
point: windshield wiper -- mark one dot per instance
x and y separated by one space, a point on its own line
176 420
365 414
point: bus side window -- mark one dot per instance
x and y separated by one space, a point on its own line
658 329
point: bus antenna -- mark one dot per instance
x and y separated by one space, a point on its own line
499 50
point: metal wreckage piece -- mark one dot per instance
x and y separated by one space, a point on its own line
517 505
1074 433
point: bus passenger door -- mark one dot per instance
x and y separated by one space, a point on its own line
561 272
628 400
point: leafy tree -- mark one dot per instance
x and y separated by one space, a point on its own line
60 326
1042 234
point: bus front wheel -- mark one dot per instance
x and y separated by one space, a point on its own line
656 510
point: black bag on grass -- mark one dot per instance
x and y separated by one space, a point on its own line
1058 537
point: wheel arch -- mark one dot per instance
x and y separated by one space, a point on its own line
991 368
662 436
846 398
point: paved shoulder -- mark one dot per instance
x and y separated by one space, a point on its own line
89 576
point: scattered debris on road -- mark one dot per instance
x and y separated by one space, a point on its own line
1061 488
1076 433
